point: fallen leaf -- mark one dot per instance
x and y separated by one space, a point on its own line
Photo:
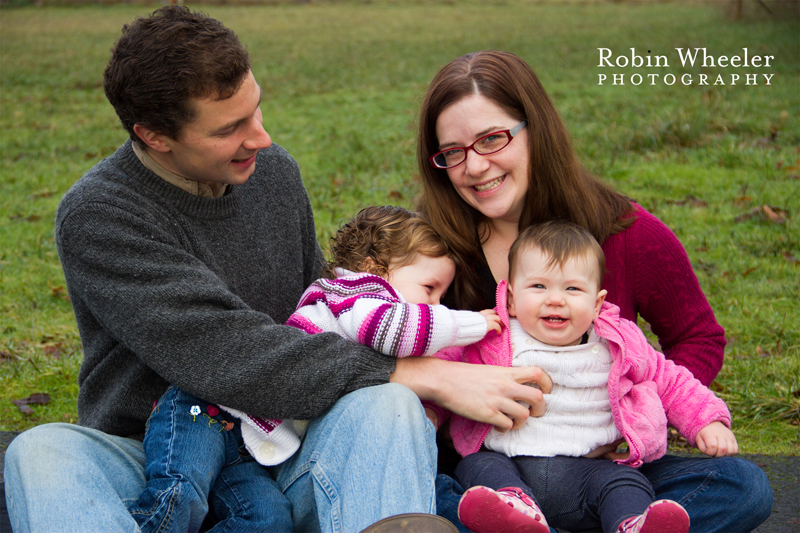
792 259
689 200
766 212
395 195
776 217
696 202
761 353
23 408
60 292
53 350
793 166
746 216
44 194
749 271
37 398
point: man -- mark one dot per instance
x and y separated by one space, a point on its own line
184 252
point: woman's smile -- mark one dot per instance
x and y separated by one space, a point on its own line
490 185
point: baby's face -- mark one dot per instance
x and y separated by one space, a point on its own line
425 280
554 305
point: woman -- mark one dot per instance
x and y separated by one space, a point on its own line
495 158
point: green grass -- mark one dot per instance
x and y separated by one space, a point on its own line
342 85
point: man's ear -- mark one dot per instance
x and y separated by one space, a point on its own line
511 310
153 140
601 297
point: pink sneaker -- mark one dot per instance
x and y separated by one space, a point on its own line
507 510
663 516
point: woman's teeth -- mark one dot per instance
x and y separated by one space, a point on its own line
491 185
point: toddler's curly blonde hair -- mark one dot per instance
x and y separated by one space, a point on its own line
382 236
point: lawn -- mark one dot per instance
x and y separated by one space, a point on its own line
718 162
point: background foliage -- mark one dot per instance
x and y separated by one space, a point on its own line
342 82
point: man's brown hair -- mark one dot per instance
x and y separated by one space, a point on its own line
163 61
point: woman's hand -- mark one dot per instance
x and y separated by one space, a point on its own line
484 393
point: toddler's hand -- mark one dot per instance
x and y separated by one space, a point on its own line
492 320
716 440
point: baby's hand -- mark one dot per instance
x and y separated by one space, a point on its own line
492 320
716 440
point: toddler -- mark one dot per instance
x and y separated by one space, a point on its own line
382 287
609 387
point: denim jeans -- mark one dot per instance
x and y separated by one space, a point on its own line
724 495
196 458
574 493
371 456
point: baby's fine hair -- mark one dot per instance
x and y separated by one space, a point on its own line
382 235
560 240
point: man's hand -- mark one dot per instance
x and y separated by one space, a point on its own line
716 440
492 320
432 417
484 393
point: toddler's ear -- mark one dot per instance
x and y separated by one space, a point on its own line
601 297
370 266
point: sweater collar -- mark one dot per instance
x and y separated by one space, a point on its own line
187 203
192 187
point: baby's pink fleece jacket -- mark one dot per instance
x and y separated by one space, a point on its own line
646 390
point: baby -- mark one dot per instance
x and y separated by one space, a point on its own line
609 387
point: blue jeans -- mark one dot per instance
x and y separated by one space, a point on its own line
574 493
196 459
724 495
371 456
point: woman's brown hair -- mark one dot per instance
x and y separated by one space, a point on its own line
559 187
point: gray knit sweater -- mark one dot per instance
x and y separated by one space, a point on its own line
168 287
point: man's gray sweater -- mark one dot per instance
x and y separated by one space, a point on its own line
169 287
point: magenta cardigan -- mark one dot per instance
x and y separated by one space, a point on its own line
649 274
646 390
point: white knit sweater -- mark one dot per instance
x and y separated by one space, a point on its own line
578 417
